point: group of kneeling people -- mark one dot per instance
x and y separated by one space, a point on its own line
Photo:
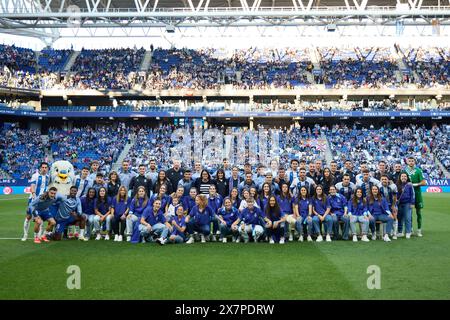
178 219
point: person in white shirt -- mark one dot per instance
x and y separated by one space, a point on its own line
38 185
82 182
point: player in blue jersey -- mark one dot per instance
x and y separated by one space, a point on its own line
39 209
69 212
346 187
365 182
38 184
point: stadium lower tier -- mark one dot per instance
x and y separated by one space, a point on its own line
24 144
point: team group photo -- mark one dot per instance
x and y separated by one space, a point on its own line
258 204
200 158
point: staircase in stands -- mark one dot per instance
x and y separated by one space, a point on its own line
116 165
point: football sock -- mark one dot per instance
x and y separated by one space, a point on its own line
26 227
41 229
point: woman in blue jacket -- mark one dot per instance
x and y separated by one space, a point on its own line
119 211
275 220
137 206
379 211
321 209
263 199
406 202
234 197
189 201
178 223
338 212
215 202
88 209
102 214
163 196
357 210
199 219
303 214
253 221
286 202
228 218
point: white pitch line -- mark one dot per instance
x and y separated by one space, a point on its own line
11 238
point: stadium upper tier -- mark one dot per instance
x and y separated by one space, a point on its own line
253 68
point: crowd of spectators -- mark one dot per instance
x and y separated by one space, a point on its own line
440 144
150 143
81 145
340 105
355 68
106 68
51 60
431 65
393 145
21 150
253 68
17 58
244 69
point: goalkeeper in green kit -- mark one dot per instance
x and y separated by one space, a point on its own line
416 176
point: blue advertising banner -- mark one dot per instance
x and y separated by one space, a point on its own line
13 190
226 114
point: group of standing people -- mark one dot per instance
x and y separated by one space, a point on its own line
274 204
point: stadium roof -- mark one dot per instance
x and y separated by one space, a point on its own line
46 18
232 3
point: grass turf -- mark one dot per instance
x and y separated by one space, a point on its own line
410 269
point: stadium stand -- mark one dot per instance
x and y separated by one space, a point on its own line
431 65
372 68
83 144
253 68
21 150
391 145
440 145
53 60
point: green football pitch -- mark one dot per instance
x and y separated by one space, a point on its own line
417 268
